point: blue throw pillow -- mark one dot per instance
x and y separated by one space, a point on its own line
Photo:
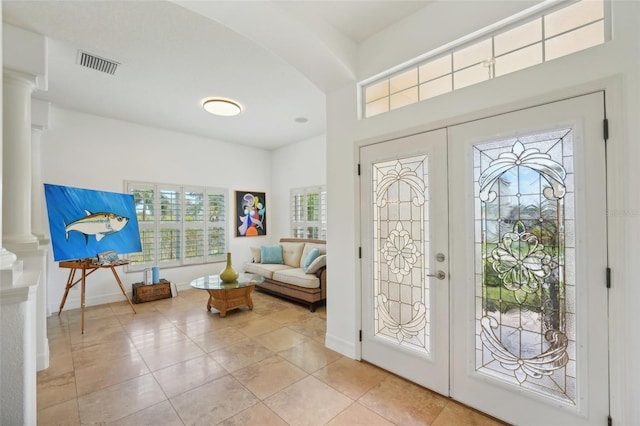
271 254
313 254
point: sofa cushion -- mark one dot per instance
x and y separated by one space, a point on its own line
318 263
307 248
266 270
255 252
313 254
291 253
271 254
296 276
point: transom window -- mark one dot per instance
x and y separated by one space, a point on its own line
309 212
179 225
518 44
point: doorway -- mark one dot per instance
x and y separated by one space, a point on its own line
484 258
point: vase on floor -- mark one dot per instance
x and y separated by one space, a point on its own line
229 274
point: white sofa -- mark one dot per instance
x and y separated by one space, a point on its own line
289 279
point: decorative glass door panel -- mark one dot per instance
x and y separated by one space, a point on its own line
525 253
405 307
529 298
400 245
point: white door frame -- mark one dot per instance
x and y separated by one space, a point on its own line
612 88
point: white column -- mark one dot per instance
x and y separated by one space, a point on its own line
40 117
23 62
40 228
23 339
16 161
39 224
7 258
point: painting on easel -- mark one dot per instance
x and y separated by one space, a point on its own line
86 222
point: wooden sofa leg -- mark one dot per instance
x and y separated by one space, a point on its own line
312 307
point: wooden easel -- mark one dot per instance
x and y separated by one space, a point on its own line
87 268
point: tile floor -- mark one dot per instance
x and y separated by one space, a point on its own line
174 363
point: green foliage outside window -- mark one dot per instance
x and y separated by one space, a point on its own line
308 213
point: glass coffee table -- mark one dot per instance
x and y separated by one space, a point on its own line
226 297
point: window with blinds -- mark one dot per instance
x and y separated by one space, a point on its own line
309 213
179 225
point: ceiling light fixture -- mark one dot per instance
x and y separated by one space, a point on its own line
224 107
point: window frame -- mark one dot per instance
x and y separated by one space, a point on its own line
537 12
182 224
299 219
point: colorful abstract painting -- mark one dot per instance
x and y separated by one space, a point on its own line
85 222
251 219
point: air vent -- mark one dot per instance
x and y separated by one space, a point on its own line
97 63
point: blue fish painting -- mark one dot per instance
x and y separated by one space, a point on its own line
85 222
98 224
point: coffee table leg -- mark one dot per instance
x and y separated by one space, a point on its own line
249 299
209 301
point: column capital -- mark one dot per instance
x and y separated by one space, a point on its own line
26 79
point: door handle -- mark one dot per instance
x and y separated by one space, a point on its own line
441 275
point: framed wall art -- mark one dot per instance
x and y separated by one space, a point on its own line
251 217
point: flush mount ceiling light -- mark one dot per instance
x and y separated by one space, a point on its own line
224 107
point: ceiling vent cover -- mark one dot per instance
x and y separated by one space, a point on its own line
97 63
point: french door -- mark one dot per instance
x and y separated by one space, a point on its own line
405 264
522 299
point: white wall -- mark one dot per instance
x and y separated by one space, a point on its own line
93 152
613 67
294 166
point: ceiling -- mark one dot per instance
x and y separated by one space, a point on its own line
277 58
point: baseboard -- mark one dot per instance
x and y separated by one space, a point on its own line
74 302
341 346
183 286
42 359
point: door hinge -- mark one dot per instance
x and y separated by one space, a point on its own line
605 129
359 252
609 421
608 277
358 169
360 337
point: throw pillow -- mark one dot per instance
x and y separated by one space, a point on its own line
255 252
317 264
313 254
292 254
271 254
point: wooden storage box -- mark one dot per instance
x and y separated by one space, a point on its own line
146 293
